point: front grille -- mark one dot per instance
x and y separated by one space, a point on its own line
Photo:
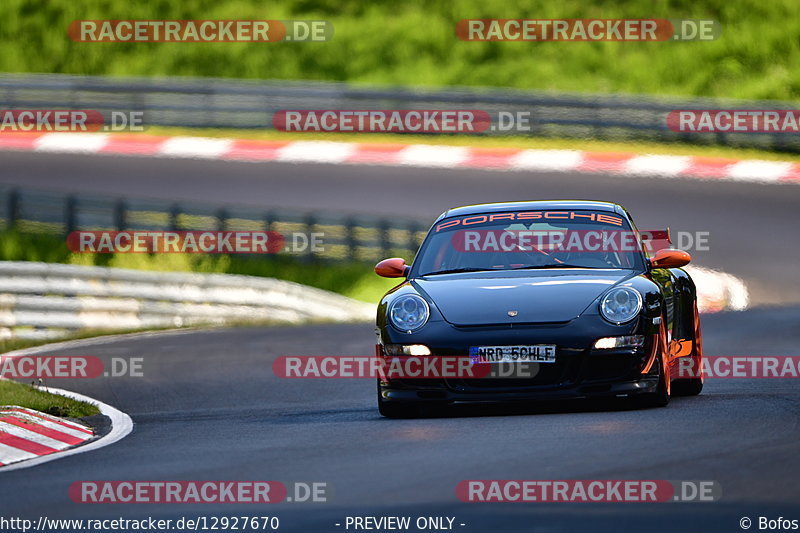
600 368
564 372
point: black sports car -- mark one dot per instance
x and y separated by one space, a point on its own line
558 299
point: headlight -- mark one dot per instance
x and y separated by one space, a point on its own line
406 349
628 341
621 305
409 312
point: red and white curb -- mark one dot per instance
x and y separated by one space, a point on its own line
29 438
27 434
415 155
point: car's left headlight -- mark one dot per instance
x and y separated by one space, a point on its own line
409 312
621 305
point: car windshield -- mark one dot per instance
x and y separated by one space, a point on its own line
529 240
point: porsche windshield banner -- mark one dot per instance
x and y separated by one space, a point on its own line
528 217
561 231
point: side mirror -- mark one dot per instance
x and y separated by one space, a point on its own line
670 259
395 267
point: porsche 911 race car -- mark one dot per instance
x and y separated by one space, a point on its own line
550 299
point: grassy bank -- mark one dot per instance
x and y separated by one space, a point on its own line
356 280
414 43
22 395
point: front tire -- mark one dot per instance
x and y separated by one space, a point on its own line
693 386
687 387
661 397
663 393
396 409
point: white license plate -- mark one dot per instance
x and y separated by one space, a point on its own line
530 353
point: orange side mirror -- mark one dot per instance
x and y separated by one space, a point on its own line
395 267
670 259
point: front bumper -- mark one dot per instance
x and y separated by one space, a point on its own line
439 393
580 371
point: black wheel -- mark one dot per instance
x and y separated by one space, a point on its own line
398 410
661 397
687 387
692 386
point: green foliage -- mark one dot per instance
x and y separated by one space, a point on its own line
22 395
414 43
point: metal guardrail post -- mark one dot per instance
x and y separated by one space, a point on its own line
310 223
13 209
383 238
174 213
70 214
120 215
350 239
413 227
222 217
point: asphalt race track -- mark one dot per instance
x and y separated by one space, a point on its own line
210 408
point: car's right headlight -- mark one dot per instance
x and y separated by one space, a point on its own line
621 305
409 312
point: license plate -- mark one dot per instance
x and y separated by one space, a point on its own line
531 353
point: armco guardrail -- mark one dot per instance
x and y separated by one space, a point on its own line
220 103
41 300
342 237
45 300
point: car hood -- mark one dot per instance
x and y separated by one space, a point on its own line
535 296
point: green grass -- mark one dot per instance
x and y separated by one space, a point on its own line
354 279
413 43
23 395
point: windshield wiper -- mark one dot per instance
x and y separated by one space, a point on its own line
459 270
552 265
